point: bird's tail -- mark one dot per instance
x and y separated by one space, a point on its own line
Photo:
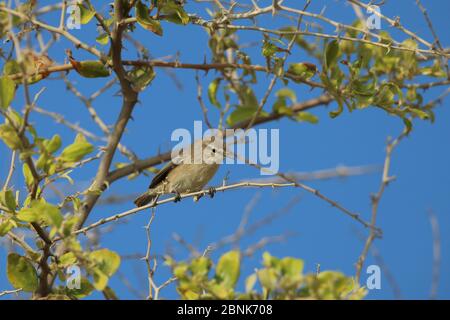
144 199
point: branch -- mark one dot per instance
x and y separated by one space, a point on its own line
338 172
78 43
10 171
172 199
95 117
21 242
386 178
147 258
180 65
396 23
3 293
212 24
243 230
129 100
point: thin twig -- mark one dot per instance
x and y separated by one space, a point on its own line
171 199
385 180
3 293
10 171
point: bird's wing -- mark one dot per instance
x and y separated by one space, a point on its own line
162 174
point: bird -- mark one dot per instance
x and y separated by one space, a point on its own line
182 175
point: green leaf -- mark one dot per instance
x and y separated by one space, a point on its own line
67 259
29 179
334 114
419 113
267 278
331 53
174 12
10 137
180 270
41 211
100 280
434 71
386 94
42 161
11 67
306 117
269 49
218 291
4 24
8 200
242 114
102 39
91 68
7 91
107 262
141 77
77 150
53 144
291 266
228 268
287 93
144 19
212 92
21 273
280 107
200 266
269 260
49 213
86 289
86 13
248 98
304 70
250 282
6 226
15 119
27 215
70 221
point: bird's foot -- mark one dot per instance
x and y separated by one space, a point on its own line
177 197
212 192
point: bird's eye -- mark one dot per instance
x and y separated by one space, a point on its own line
214 150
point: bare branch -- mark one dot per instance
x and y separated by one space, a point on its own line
385 180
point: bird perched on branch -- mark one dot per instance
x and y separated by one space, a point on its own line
182 175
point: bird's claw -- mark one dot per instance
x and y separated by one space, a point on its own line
177 197
212 192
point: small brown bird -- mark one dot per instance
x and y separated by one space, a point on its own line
183 175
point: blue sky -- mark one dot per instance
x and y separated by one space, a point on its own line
323 234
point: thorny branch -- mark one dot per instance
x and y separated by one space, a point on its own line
385 180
